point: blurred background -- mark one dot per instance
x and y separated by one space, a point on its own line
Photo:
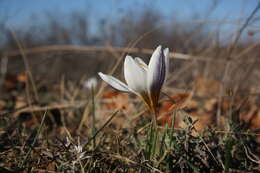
72 39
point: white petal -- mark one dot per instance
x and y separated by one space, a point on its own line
135 75
156 74
157 69
115 83
166 54
141 63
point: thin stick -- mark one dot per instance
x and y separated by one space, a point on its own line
174 55
93 116
43 108
34 140
229 62
27 67
101 128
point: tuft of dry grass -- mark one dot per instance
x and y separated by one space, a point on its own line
46 138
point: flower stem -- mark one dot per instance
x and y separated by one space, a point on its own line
154 113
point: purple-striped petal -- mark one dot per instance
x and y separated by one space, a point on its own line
156 74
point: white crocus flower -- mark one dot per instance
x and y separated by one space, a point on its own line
143 80
90 83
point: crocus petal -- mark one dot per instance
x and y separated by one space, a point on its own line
115 83
157 69
135 75
166 54
156 74
141 63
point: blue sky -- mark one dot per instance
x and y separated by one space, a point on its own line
26 8
22 12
